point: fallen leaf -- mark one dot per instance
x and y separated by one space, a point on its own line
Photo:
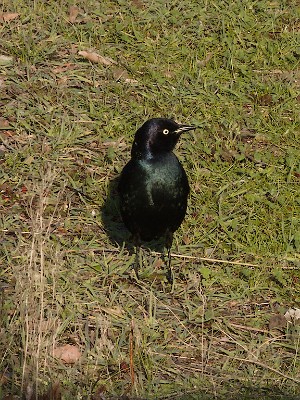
277 321
8 133
4 123
130 81
205 61
63 68
138 4
6 60
186 239
28 160
62 81
121 74
292 315
96 58
158 263
73 12
67 353
116 311
6 17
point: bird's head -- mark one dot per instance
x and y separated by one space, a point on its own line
157 135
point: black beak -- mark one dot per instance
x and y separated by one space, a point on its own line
184 128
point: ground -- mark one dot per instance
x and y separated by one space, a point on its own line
75 83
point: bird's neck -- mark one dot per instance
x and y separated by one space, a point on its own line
141 151
149 155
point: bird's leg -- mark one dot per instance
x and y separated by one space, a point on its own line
169 270
136 266
169 240
137 260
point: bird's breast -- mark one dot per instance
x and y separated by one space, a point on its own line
165 181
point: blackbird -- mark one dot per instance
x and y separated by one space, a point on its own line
153 186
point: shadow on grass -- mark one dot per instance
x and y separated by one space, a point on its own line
111 217
55 392
239 393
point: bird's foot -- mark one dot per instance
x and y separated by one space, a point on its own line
136 271
170 276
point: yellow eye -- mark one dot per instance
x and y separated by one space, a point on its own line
165 131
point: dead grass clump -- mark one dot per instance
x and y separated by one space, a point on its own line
36 321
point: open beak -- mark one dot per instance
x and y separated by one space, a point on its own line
184 128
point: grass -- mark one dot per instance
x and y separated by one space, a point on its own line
66 126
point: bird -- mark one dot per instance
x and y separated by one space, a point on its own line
153 186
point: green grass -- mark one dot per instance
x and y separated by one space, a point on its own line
66 126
